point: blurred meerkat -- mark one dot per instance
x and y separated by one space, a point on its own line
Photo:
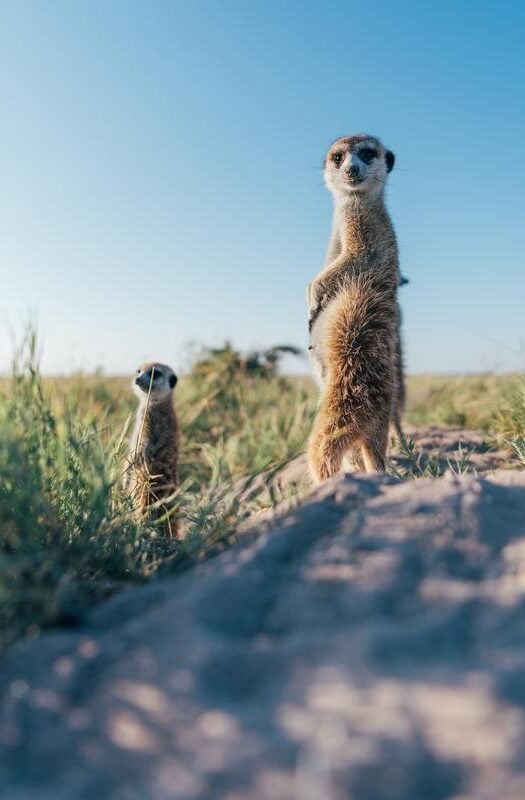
154 446
354 315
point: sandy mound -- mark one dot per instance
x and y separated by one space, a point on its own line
371 646
448 448
454 447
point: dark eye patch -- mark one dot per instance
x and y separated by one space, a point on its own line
337 158
157 374
367 154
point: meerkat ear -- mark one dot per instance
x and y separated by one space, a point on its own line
389 158
173 380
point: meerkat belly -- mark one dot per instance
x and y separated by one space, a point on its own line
317 348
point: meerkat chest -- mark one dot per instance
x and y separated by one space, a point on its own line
154 449
145 450
367 237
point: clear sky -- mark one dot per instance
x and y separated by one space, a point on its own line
160 171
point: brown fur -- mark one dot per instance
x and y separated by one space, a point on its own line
153 468
356 406
354 319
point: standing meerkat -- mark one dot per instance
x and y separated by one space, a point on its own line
333 251
154 446
354 315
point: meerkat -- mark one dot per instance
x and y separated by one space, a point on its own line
354 315
154 445
333 251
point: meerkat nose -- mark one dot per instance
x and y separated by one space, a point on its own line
353 170
143 380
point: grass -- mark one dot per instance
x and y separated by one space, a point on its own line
424 465
68 535
494 404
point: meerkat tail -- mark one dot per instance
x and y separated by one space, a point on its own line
399 399
355 409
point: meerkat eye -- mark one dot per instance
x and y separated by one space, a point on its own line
367 154
157 374
337 158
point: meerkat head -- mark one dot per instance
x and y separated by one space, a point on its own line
154 382
357 165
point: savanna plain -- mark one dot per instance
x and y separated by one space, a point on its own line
69 537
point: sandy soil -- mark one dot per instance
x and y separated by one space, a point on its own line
369 646
453 445
450 448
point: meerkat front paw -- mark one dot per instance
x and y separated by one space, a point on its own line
317 296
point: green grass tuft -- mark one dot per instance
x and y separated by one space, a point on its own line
68 533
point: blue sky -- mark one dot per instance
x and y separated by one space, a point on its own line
160 177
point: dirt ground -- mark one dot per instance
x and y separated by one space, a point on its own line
449 448
453 445
369 645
